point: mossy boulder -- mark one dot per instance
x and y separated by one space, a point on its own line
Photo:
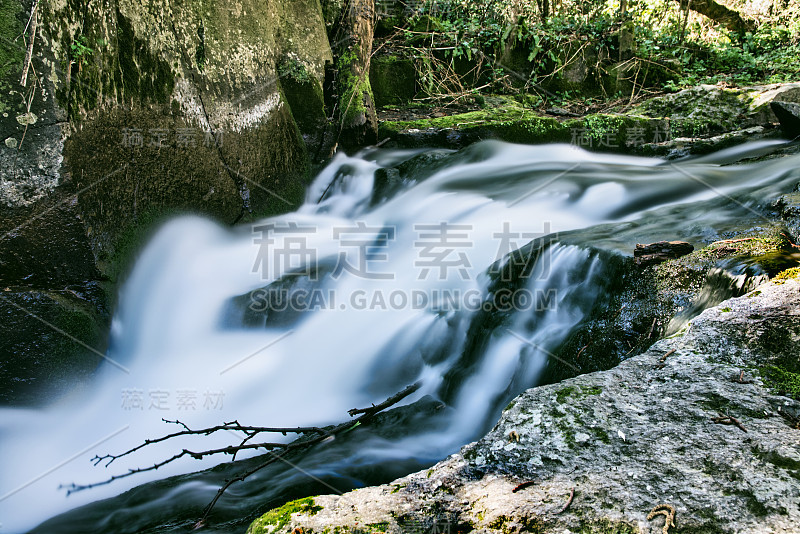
710 109
141 111
202 86
393 80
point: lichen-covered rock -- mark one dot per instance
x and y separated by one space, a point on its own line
691 424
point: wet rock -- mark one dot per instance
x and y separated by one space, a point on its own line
618 443
165 109
788 114
50 341
655 253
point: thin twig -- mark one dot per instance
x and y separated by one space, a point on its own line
569 501
728 420
311 436
29 53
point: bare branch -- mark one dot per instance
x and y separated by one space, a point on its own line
310 436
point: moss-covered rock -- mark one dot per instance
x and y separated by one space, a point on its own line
709 109
143 110
616 445
507 120
199 85
393 80
279 517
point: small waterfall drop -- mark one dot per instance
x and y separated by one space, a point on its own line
296 319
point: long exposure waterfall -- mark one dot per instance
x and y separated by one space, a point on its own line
397 269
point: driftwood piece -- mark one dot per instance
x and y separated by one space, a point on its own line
662 251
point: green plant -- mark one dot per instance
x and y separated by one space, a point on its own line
80 51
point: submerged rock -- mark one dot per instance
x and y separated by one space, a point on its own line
693 423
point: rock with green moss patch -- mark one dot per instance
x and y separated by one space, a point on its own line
618 443
393 80
506 119
709 109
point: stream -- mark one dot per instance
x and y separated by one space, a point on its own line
395 270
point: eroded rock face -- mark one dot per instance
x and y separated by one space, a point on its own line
624 441
148 109
132 112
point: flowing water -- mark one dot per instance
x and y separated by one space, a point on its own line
393 271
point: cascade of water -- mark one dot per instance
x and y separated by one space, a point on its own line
299 318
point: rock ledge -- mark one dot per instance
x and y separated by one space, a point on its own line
624 440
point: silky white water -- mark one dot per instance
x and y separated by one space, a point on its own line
184 345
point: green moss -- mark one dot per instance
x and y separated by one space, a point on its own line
564 393
393 80
11 53
570 391
782 381
280 517
767 246
752 503
568 432
507 120
377 527
292 68
788 274
756 246
725 310
352 88
513 524
600 434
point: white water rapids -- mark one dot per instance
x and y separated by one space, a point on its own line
182 348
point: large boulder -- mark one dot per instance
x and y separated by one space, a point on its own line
711 109
697 426
116 115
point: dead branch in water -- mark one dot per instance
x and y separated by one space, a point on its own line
309 436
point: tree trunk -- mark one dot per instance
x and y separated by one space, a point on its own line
352 49
717 12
